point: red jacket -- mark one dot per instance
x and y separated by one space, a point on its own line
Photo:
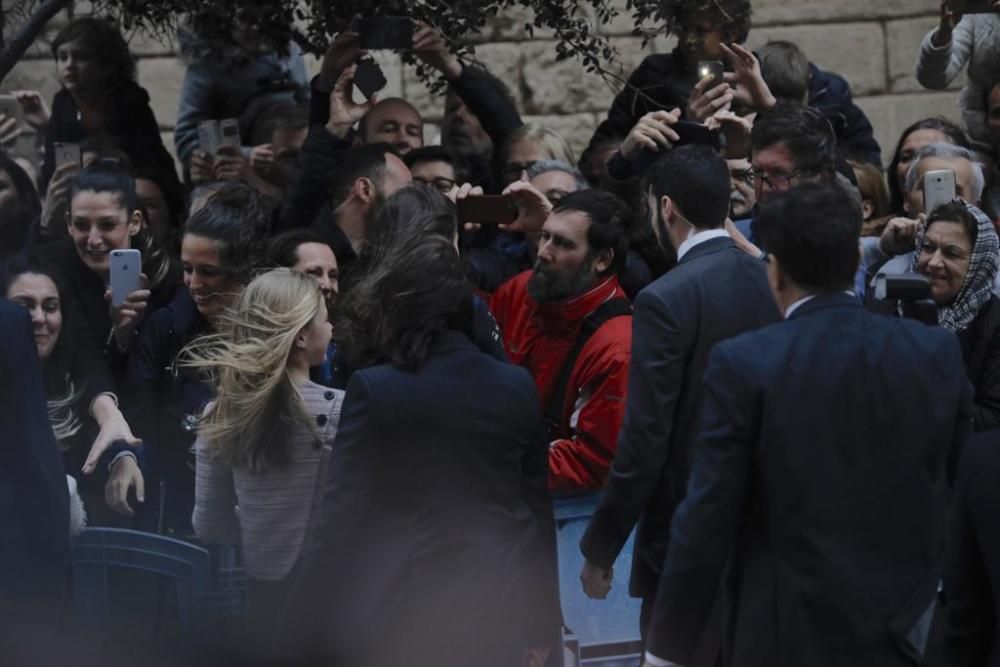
539 337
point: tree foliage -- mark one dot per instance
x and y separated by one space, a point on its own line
311 23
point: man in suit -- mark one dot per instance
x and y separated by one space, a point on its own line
821 467
972 575
715 292
34 502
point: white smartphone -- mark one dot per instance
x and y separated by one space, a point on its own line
126 265
939 188
229 132
67 153
208 136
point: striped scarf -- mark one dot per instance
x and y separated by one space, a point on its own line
977 288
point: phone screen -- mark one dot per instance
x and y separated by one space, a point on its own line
712 68
67 153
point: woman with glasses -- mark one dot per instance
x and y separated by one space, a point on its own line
529 144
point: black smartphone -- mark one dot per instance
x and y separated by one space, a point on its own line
975 7
714 69
487 209
368 77
695 133
387 32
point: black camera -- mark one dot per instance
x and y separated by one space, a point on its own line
912 294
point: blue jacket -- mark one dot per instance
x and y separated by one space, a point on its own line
822 472
34 504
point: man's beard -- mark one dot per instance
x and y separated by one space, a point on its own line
549 284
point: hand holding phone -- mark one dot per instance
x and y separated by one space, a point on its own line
713 69
67 153
368 77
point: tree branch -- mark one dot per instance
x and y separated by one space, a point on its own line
27 34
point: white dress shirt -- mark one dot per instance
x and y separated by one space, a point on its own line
698 238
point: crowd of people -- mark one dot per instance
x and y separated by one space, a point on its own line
370 364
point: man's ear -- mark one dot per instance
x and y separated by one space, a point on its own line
364 189
776 274
604 260
666 210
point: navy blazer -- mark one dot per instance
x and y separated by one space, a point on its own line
972 576
822 467
34 502
714 293
436 544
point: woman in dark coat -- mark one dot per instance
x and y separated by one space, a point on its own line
436 544
960 253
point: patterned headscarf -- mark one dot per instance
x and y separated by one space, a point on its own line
977 288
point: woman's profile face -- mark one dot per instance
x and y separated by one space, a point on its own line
210 285
944 258
914 142
78 68
37 293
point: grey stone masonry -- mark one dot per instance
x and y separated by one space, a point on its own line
873 44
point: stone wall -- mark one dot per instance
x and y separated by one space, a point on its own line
872 43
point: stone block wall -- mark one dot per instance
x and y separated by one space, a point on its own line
873 44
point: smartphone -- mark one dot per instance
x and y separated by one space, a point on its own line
368 77
10 107
695 133
487 209
126 265
67 153
387 32
975 7
714 69
939 188
229 132
209 137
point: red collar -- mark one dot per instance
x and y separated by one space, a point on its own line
567 314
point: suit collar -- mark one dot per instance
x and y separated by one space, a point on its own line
823 301
707 248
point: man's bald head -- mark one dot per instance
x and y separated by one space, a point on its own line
393 121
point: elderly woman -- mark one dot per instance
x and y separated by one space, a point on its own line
960 254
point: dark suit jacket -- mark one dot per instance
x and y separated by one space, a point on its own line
715 292
972 576
34 504
821 466
436 545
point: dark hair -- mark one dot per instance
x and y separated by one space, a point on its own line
956 211
609 222
106 148
696 178
417 207
731 16
283 249
803 130
104 38
402 304
113 177
785 69
170 187
14 233
285 116
953 132
237 219
366 161
813 230
430 154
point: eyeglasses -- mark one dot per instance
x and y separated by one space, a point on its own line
774 181
513 170
442 184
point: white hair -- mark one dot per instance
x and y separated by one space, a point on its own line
945 150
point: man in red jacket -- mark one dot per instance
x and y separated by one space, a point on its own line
569 322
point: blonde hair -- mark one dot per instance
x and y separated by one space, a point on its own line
556 146
257 409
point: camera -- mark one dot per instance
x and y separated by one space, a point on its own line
912 294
